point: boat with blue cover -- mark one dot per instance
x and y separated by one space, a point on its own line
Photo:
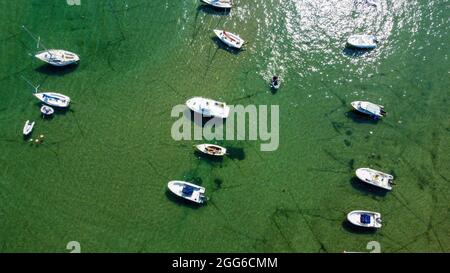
187 191
362 218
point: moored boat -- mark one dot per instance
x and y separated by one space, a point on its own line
211 149
28 128
230 39
208 107
57 57
362 41
369 108
47 110
53 99
224 4
367 219
376 178
187 191
275 83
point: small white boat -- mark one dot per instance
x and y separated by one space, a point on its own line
230 39
187 191
28 128
275 83
225 4
208 107
53 99
58 57
363 218
362 41
47 110
369 108
376 178
211 149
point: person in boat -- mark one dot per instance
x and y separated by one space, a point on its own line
275 81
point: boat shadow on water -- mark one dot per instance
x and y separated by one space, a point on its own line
183 202
56 70
209 158
201 120
366 188
223 46
346 225
213 10
236 153
360 117
354 52
232 153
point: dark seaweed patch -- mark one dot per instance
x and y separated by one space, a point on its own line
218 182
236 153
351 164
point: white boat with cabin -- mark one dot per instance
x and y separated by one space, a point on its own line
187 191
53 99
230 39
58 57
362 218
362 41
369 108
376 178
208 107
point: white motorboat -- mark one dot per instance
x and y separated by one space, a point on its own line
224 4
208 107
275 82
369 108
57 57
376 178
28 128
47 110
230 39
362 41
187 191
212 149
53 99
366 219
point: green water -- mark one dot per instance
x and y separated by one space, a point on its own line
100 175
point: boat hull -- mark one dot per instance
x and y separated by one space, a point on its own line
230 39
219 3
53 99
375 178
369 108
362 41
58 57
211 149
354 217
196 195
28 128
47 110
208 107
